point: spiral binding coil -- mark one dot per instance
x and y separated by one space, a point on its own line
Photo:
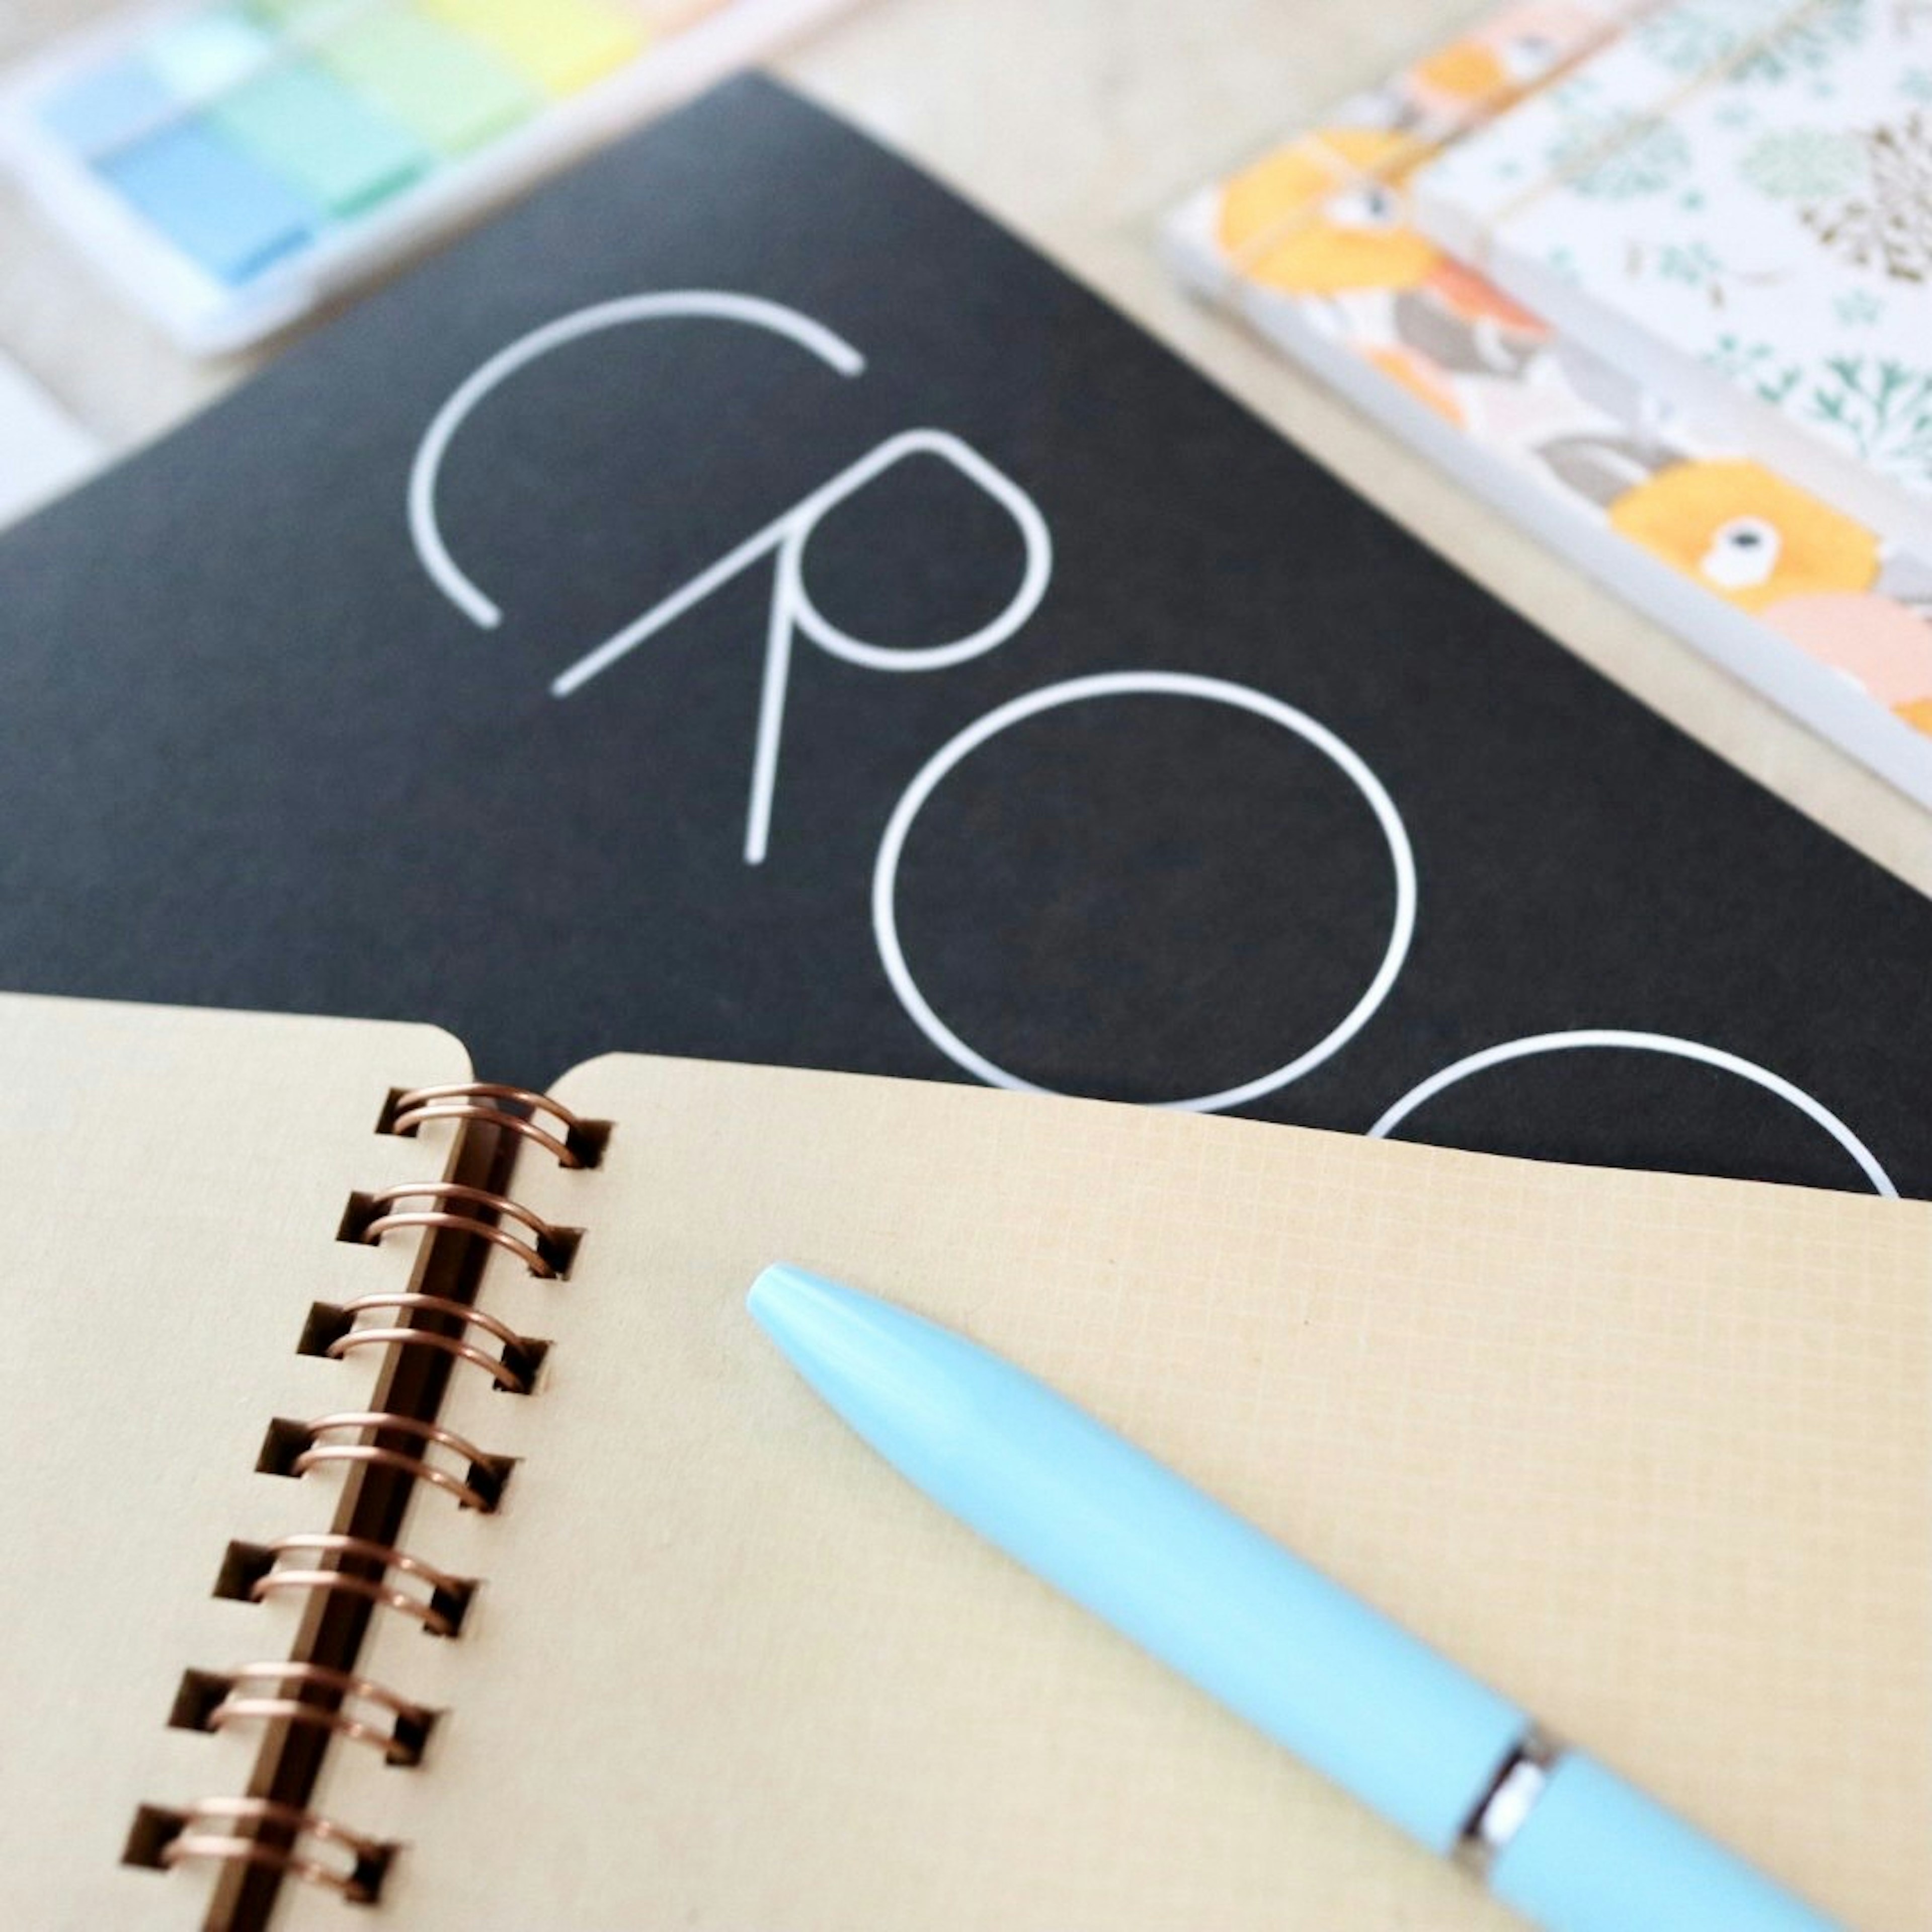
400 1744
510 1107
482 1494
358 1882
508 1372
540 1260
290 1841
426 1611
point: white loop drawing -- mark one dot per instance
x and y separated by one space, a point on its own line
1142 683
1645 1042
712 304
791 609
1034 573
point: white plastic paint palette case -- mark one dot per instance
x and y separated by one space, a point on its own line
229 165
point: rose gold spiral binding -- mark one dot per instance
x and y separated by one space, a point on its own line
309 1701
423 1610
500 1205
514 1345
472 1100
395 1745
319 1452
369 1855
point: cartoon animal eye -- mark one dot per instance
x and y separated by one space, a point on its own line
1743 552
1365 207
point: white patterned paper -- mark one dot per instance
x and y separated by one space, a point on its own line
1748 184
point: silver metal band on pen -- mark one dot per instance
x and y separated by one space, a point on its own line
1506 1804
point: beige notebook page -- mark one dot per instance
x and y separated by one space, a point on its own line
174 1181
1651 1454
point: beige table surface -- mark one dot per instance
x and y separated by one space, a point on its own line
1077 122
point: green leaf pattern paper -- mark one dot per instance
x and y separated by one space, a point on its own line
1749 184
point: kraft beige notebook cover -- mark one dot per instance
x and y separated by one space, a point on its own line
1652 1454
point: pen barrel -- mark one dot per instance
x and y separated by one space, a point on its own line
1349 1692
1594 1855
1337 1683
1342 1686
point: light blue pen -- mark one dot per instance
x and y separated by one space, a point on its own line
1570 1845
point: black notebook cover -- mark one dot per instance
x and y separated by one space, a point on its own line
1329 822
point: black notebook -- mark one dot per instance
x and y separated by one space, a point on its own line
743 603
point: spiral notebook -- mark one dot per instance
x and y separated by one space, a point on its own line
627 1631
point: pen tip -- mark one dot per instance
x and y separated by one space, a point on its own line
832 1334
784 1299
893 1375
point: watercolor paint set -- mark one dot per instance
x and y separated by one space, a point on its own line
231 165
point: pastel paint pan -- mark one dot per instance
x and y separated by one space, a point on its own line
328 143
231 164
214 200
448 89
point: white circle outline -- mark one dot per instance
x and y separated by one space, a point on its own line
1652 1042
1141 683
